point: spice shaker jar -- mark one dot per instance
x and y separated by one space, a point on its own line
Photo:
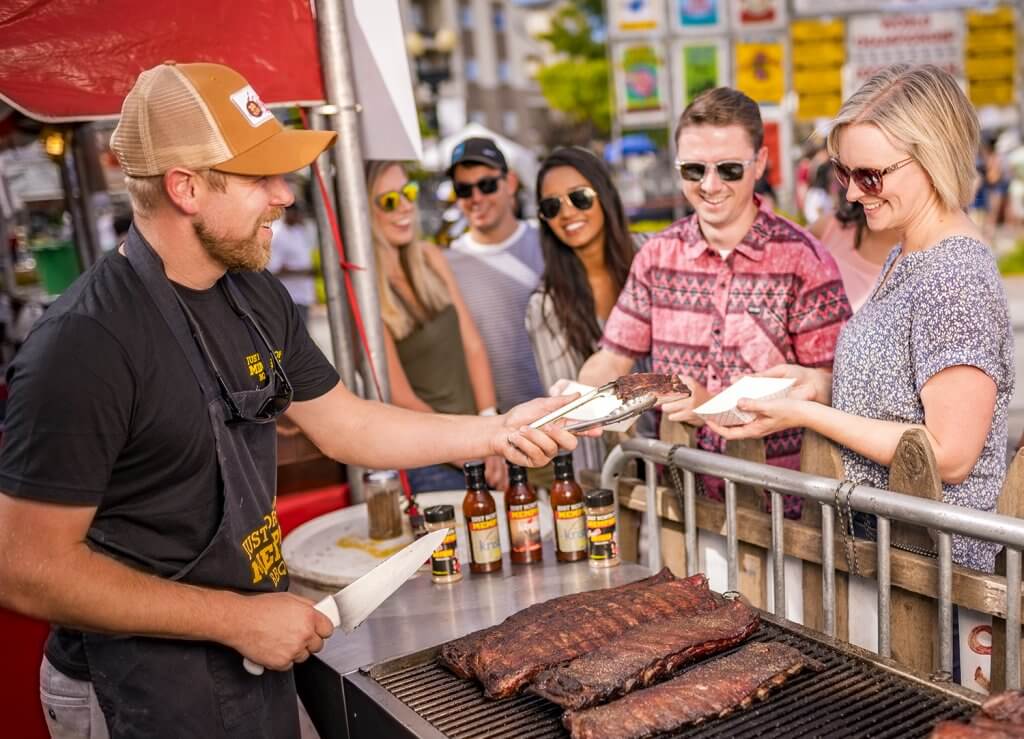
444 561
601 546
383 491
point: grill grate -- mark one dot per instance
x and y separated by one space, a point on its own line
851 698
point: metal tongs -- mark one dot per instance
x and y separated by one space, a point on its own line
628 409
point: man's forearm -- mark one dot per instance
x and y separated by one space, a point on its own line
78 587
387 436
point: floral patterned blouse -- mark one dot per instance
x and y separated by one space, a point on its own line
940 307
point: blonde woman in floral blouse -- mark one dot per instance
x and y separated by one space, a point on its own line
932 347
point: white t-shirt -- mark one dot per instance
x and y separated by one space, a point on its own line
292 248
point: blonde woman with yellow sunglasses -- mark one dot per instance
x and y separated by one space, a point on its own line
436 359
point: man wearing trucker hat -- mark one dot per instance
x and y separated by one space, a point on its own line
139 456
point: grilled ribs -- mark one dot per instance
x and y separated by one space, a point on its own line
1001 717
644 654
506 665
632 386
709 690
459 655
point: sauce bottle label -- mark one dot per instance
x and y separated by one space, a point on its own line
601 536
569 528
483 538
524 527
443 560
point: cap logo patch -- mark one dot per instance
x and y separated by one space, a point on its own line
251 107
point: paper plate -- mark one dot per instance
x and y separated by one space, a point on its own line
722 410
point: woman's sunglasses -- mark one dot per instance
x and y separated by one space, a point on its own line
731 170
486 186
582 198
868 180
389 201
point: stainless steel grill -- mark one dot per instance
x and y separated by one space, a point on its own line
856 696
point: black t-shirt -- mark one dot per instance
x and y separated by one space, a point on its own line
104 410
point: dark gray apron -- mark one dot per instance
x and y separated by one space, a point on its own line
149 687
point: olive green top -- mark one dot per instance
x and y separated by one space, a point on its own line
435 364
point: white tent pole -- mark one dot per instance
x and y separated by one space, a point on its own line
353 212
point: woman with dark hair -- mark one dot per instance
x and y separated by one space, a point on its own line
859 252
587 253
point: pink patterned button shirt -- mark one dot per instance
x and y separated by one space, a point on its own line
777 297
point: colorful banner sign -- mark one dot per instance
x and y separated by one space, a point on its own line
640 84
760 71
699 16
818 50
635 17
990 56
757 15
702 66
876 41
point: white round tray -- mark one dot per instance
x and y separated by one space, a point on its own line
333 550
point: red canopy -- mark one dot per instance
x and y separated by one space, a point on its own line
64 60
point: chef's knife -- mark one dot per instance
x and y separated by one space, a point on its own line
351 605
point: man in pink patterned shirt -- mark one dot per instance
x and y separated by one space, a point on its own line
733 289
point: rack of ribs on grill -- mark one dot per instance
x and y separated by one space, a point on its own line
644 654
715 688
459 655
633 386
507 658
1001 717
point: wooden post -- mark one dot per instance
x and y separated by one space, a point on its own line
914 471
1010 503
820 456
673 538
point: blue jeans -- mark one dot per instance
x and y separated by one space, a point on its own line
436 477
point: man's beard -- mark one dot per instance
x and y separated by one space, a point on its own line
246 253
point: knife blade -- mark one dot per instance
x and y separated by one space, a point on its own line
353 604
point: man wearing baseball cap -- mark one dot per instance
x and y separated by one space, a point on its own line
138 465
497 264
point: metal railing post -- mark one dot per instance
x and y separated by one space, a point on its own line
651 519
778 555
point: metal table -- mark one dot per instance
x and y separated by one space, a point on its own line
421 614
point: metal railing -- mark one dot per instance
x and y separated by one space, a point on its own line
886 505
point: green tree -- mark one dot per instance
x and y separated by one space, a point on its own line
577 85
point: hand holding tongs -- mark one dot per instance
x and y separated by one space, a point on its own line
628 409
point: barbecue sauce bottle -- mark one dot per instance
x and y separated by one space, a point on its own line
523 517
567 506
481 521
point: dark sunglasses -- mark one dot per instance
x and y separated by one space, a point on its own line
582 198
486 186
273 406
731 170
868 180
390 200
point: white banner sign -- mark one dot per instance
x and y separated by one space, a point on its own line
876 41
844 7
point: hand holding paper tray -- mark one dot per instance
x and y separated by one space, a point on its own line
722 409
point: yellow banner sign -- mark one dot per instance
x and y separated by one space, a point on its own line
760 71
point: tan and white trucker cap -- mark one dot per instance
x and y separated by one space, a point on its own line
206 116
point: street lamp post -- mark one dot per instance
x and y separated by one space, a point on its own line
433 67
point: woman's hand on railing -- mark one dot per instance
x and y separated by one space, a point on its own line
811 384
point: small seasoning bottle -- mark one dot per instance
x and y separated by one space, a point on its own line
444 561
523 515
481 521
567 507
601 546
